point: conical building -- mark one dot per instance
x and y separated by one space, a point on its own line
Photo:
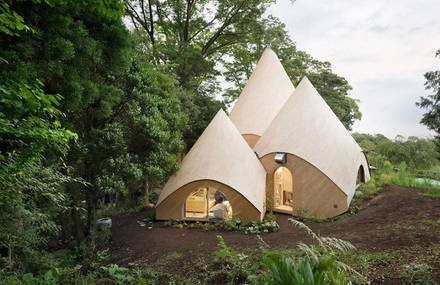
219 162
321 160
305 163
265 93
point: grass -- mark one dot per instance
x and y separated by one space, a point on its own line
382 258
433 193
175 255
431 222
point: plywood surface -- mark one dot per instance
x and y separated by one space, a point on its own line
308 128
314 194
266 91
172 206
221 154
251 139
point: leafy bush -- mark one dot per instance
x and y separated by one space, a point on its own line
316 264
286 270
416 273
256 227
234 224
233 266
434 193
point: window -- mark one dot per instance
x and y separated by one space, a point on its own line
201 205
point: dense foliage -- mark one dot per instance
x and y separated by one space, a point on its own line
416 153
204 42
99 100
431 103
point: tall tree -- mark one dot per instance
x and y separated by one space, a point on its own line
431 118
191 35
31 195
203 41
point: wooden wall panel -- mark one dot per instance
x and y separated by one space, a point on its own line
172 206
251 139
221 154
314 194
307 127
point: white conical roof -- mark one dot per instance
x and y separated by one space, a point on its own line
308 128
265 93
222 154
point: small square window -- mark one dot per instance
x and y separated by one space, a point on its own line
280 157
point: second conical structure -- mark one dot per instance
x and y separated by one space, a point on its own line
263 96
322 156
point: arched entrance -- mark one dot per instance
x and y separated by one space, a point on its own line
283 189
203 204
360 176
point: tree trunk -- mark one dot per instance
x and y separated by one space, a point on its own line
77 223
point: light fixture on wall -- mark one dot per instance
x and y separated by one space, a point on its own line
280 157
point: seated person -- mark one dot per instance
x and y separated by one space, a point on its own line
220 210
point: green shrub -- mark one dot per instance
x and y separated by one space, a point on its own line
234 224
286 270
381 258
434 193
233 266
416 273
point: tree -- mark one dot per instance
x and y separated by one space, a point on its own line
77 49
431 118
203 41
190 36
30 196
126 113
417 153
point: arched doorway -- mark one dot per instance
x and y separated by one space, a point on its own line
202 204
360 176
283 189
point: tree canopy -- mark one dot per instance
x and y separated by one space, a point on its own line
431 118
100 100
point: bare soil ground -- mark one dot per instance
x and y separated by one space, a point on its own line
398 219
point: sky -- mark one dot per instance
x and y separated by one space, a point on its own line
382 47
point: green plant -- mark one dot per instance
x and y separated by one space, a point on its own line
103 254
235 266
433 193
270 216
175 255
232 224
381 258
417 273
323 256
286 270
116 275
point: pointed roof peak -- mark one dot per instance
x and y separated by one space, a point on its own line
268 50
305 83
305 80
266 91
221 154
221 113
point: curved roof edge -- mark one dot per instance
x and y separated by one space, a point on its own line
308 128
266 91
221 154
260 210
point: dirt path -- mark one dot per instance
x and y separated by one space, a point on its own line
398 217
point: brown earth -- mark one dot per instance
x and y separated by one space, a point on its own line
396 219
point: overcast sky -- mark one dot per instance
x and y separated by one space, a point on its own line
382 47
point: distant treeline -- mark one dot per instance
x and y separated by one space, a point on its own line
416 153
